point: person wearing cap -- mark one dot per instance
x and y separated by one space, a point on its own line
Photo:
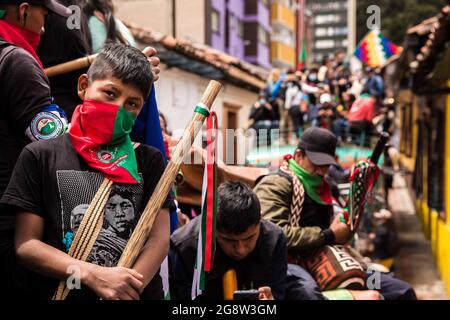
326 111
307 220
26 109
309 164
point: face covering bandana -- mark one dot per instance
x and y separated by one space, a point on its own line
21 37
100 134
315 186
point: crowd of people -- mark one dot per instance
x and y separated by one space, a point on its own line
330 96
71 196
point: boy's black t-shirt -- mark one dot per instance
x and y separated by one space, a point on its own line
52 181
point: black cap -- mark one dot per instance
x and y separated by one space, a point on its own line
319 145
51 5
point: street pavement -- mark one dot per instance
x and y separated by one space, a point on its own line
414 263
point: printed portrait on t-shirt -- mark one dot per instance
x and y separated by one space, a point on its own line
77 189
76 216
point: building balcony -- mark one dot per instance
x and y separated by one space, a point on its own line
282 53
283 15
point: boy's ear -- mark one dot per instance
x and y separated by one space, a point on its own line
82 86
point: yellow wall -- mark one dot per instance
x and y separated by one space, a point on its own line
281 52
285 19
447 158
436 228
434 232
409 161
443 253
443 227
279 12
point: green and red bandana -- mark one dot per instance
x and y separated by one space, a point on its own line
315 186
100 133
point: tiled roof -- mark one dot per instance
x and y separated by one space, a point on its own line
437 31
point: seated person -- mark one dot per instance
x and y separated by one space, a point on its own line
385 240
360 116
263 118
326 111
53 178
254 248
309 223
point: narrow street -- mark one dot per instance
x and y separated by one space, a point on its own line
415 263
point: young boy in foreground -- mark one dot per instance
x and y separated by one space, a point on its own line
55 181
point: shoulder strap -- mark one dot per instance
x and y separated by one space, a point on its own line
298 195
3 44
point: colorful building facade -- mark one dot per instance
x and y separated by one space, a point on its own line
240 28
333 27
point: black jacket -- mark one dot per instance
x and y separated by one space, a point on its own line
265 266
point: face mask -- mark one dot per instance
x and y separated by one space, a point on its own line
100 133
312 77
21 37
31 37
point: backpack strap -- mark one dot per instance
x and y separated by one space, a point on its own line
4 47
298 195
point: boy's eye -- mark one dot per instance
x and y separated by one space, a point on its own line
132 105
110 93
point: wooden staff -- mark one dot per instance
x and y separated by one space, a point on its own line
144 226
70 66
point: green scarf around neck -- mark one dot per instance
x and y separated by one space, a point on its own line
314 185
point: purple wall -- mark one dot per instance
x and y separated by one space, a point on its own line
264 55
218 39
263 51
264 15
236 43
264 21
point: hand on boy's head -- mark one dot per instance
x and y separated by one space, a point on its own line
265 293
154 61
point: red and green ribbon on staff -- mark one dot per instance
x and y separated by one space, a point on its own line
207 232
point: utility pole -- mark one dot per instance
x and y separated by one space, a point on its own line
174 18
351 26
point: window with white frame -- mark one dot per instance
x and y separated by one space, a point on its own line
215 21
263 35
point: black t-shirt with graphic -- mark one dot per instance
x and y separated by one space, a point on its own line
52 181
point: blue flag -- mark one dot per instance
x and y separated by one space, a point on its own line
147 130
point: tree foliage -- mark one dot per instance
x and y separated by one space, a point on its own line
397 16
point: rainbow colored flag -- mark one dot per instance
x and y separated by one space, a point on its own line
374 49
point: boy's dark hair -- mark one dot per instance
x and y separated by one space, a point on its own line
124 62
238 208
